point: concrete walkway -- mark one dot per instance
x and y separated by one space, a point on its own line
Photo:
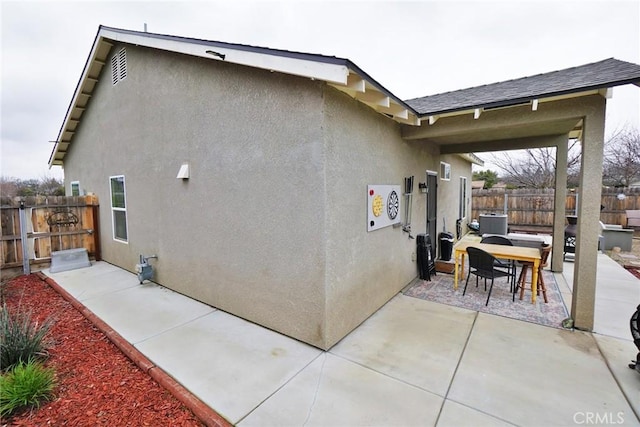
413 363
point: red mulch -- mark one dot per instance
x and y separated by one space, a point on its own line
96 383
633 270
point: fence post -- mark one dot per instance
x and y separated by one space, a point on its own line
95 210
26 268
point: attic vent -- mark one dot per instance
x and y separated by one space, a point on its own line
119 66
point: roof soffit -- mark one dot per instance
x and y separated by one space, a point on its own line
559 117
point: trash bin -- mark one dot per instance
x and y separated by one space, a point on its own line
446 245
426 263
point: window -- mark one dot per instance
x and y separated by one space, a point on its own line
445 171
118 208
75 188
119 66
462 211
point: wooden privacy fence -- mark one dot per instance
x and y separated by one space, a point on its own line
532 209
49 224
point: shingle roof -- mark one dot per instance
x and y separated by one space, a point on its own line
603 74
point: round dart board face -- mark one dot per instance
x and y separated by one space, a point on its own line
393 205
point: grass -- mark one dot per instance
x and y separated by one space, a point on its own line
26 385
21 338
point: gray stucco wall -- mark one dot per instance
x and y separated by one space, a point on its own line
271 225
449 194
243 233
365 269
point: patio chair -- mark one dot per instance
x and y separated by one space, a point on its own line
511 269
483 264
522 279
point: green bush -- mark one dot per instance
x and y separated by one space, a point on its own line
21 338
26 385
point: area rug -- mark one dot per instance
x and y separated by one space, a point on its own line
440 290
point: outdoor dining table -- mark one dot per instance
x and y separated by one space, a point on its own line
517 253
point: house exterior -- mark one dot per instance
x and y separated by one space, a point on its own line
255 175
271 223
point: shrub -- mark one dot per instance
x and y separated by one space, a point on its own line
26 385
21 338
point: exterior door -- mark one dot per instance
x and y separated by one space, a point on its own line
432 209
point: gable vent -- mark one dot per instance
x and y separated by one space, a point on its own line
119 66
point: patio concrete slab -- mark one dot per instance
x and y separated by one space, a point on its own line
93 281
336 392
455 415
144 311
414 362
529 374
617 296
416 341
618 354
230 364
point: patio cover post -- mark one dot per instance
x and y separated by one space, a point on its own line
584 278
559 205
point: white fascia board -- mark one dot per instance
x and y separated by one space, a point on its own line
333 73
78 92
472 158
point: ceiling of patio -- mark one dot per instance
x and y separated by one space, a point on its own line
508 128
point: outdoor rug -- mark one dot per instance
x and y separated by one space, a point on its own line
440 290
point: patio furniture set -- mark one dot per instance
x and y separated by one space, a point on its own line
497 256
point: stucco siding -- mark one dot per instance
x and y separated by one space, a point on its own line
244 232
449 194
272 223
365 269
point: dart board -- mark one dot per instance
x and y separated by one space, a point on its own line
383 206
393 205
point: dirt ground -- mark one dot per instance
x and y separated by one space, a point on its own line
630 260
635 250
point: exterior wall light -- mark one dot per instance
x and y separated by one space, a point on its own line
183 173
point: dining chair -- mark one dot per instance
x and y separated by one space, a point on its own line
483 264
511 269
545 250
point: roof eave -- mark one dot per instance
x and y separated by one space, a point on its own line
515 102
339 73
472 158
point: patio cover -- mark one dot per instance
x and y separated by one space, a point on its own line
538 111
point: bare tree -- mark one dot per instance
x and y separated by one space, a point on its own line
536 167
50 186
622 158
8 186
45 186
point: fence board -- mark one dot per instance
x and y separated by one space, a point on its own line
534 207
54 223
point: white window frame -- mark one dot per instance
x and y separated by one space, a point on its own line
115 209
462 200
445 171
77 184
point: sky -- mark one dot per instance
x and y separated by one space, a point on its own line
412 48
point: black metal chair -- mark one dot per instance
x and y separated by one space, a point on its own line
483 264
512 269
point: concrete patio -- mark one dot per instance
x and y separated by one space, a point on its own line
413 362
